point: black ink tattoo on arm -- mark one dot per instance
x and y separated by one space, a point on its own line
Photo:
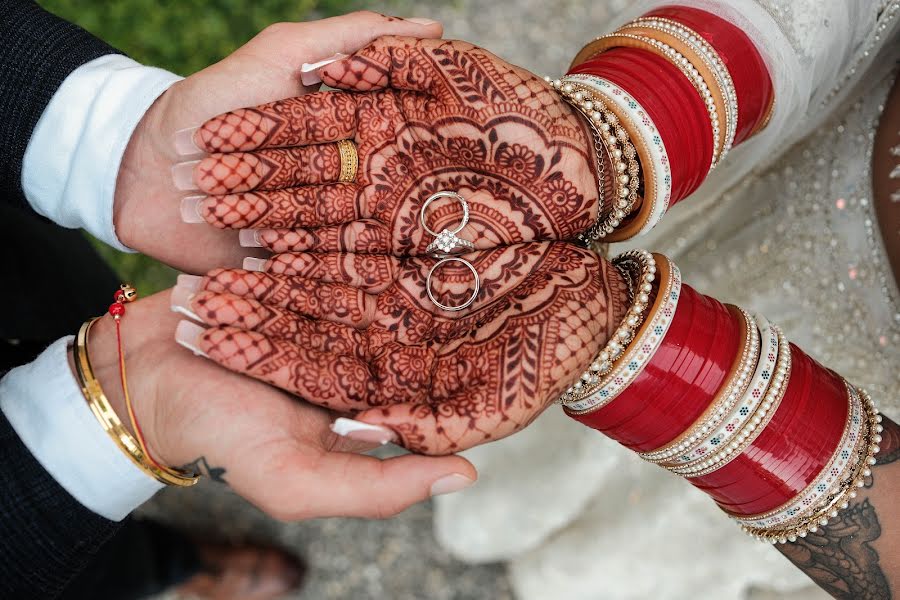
840 557
202 467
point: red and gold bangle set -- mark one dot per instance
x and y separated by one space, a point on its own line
680 86
704 389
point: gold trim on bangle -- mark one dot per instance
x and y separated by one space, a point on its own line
109 420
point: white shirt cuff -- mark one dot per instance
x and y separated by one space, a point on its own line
45 406
70 167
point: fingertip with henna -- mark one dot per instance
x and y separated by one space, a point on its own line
309 72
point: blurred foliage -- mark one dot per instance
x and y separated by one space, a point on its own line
182 36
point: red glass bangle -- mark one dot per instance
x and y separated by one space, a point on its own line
681 379
671 102
792 449
748 70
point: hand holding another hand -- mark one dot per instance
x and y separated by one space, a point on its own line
274 451
146 210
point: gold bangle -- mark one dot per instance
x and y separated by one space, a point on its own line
108 418
349 161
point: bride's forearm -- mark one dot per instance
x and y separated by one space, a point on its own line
857 556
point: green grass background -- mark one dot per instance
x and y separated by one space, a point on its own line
182 36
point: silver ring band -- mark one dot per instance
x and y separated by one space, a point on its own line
438 196
474 292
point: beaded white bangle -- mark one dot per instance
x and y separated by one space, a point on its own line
753 423
696 441
639 268
713 62
656 162
615 140
642 348
836 485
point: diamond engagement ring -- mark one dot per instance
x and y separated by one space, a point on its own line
448 243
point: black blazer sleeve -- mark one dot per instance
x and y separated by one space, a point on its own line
37 52
46 536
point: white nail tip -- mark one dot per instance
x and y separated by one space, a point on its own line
249 238
183 175
185 142
309 67
180 302
190 209
254 264
188 335
362 431
189 282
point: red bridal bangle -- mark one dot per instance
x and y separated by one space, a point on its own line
752 82
791 450
678 383
782 459
671 103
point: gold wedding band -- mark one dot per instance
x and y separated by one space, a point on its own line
349 161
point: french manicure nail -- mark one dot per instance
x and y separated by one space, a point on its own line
252 263
249 238
309 71
449 484
188 335
190 209
189 282
185 144
421 21
180 302
363 432
183 175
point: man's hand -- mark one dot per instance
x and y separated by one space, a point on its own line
146 211
271 448
435 115
354 332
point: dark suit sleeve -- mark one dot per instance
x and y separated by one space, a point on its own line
46 536
37 52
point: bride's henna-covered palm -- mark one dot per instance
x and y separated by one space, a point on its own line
356 333
426 115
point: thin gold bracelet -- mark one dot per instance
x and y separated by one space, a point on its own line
108 418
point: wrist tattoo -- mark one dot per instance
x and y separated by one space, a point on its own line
202 467
840 557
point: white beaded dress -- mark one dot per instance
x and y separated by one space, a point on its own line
785 227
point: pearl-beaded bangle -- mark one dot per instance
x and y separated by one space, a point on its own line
699 436
707 60
617 143
682 64
639 268
842 490
754 422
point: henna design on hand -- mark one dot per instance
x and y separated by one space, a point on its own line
443 381
268 169
453 117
